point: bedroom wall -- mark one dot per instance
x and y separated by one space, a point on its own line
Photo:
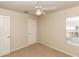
51 30
19 28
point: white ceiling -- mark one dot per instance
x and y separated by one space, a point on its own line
22 6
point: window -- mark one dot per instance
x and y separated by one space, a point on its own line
72 30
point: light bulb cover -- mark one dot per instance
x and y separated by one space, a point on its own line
38 12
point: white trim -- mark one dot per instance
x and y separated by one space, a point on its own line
58 49
13 50
22 47
3 54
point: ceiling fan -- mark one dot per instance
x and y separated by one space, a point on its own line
40 10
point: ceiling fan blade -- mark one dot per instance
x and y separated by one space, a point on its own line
49 8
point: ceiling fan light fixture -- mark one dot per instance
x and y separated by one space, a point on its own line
36 7
38 12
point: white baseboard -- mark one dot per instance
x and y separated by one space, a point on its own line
4 53
22 47
18 48
58 49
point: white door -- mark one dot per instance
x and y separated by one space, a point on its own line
32 31
4 35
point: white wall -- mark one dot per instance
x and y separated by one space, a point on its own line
19 28
51 30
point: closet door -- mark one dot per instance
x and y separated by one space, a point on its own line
32 31
4 35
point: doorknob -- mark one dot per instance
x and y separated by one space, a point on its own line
8 36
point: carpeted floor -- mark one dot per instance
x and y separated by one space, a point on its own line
37 50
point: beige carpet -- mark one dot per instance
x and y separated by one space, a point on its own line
37 50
